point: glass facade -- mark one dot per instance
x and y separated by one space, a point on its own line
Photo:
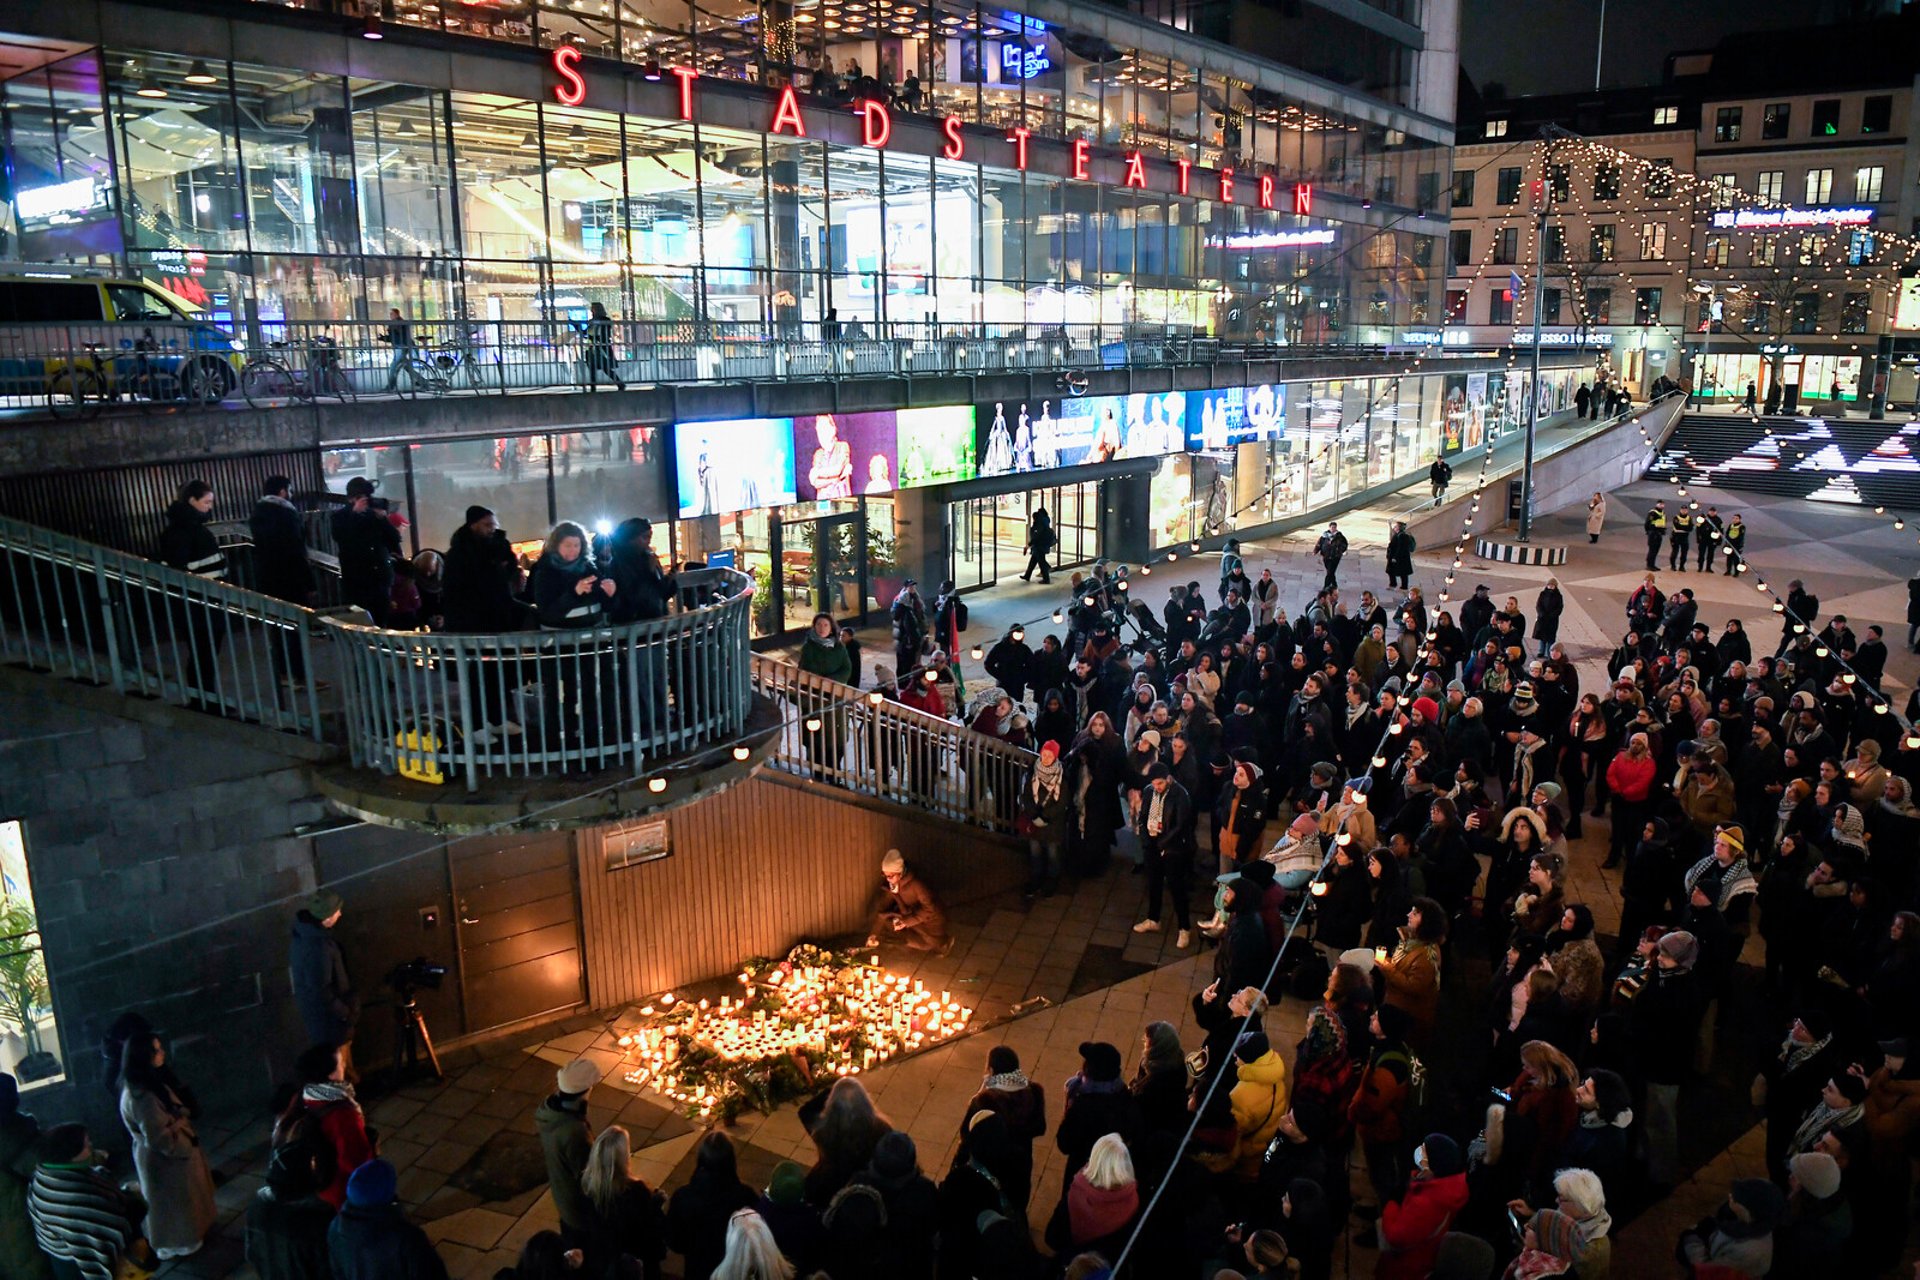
262 194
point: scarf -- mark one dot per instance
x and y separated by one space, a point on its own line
1904 808
1006 1082
1594 1120
1408 945
1793 1053
1164 1050
1354 714
327 1091
1047 781
1156 811
1821 1120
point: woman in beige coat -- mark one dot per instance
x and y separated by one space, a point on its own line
1596 515
158 1111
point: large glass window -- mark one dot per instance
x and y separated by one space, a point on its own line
31 1051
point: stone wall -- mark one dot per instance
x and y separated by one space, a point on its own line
160 843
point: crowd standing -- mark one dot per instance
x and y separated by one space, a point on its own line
1392 794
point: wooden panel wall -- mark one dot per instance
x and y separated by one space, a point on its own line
755 870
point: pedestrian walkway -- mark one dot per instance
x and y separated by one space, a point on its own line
1049 974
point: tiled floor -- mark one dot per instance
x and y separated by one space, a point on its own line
1098 979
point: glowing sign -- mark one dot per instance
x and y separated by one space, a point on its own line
62 202
1772 219
1562 338
1277 239
1020 61
572 89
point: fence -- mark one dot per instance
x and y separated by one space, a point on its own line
75 368
869 745
534 704
83 612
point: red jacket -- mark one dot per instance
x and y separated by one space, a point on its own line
344 1126
1630 779
1413 1226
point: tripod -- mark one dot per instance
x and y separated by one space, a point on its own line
410 1038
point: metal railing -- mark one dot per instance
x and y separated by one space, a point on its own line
426 705
870 745
83 612
79 369
534 704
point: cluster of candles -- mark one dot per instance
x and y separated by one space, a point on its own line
791 1011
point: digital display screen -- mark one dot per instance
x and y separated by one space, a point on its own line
734 465
840 455
1073 432
935 446
1235 415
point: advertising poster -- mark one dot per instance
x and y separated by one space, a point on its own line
1235 415
1453 413
734 465
1476 428
839 455
1155 423
935 446
1016 437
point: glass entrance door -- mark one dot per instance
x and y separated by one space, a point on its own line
989 535
820 567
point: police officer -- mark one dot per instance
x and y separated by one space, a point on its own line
1679 534
1707 532
1735 537
1656 527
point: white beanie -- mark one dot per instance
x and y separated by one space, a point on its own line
893 864
577 1076
1819 1173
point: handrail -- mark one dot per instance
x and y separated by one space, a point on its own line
82 611
870 745
428 705
417 703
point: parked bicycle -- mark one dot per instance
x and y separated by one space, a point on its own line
77 389
438 370
267 379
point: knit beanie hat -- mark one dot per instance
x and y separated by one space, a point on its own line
895 1155
1681 947
477 512
1251 1046
892 864
1099 1060
373 1184
1551 790
788 1184
1851 1087
1429 709
1443 1155
1819 1173
577 1076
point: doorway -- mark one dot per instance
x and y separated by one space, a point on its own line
822 569
989 535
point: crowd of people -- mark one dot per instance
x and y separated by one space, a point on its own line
1393 796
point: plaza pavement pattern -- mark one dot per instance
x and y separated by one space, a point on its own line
470 1165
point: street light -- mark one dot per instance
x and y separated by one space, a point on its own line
1713 311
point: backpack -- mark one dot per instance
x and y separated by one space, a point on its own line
300 1141
959 614
1413 1117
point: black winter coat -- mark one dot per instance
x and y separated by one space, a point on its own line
1663 1022
380 1244
366 543
321 990
1547 607
280 567
1091 1117
697 1220
287 1240
1344 912
188 543
477 588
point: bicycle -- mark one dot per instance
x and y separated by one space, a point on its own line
77 390
438 370
267 378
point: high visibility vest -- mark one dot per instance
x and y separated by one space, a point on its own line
1682 521
1656 519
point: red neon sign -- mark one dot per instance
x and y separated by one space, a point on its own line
572 89
1136 170
1019 140
876 123
955 146
1080 153
686 76
1226 186
1303 198
1266 191
1186 169
787 113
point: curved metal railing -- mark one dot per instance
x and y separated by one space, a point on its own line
870 745
429 706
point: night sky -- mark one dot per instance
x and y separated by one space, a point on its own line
1640 34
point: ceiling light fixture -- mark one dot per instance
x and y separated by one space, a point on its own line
198 74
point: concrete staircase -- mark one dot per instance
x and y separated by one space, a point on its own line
1847 460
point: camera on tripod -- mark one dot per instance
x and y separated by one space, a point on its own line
414 975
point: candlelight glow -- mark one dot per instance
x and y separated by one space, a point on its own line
812 1016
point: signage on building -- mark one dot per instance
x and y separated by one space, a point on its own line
1906 306
1562 338
1788 218
1299 239
1264 192
1022 61
62 203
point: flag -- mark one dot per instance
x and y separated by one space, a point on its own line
1513 282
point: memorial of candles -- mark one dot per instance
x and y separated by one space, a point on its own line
825 1014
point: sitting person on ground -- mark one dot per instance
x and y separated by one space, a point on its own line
906 911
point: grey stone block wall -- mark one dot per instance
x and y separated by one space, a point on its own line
161 855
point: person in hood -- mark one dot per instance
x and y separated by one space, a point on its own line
1010 663
699 1212
323 994
286 1221
905 1249
1412 1225
642 586
1021 1105
905 910
1739 1234
793 1223
372 1239
565 1141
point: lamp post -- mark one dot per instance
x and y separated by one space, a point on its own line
1710 308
